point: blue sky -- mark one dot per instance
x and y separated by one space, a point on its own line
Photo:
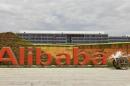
110 16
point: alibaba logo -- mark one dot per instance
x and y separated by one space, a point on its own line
30 57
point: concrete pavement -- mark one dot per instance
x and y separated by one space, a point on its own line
64 77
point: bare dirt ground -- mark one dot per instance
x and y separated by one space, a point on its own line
64 77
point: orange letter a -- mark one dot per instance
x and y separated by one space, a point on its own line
11 56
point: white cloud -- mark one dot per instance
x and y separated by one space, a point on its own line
111 16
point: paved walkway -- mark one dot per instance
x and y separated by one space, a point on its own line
64 77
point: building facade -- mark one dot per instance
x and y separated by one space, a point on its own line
74 37
53 37
119 39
